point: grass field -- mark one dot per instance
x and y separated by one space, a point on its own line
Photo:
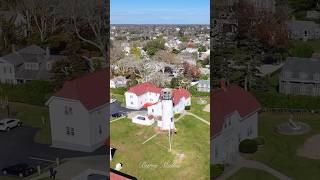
251 174
197 109
152 160
279 152
31 116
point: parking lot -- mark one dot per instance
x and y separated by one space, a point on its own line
17 146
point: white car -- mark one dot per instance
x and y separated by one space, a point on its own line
112 100
8 124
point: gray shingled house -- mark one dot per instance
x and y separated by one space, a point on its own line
300 76
30 63
305 30
204 86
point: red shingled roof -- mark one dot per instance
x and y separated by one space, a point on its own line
91 89
228 100
117 175
142 88
178 94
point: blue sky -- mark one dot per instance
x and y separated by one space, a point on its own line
160 11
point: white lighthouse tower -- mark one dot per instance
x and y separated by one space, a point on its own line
167 110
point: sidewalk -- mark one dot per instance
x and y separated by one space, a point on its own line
242 162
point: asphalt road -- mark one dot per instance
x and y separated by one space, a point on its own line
17 146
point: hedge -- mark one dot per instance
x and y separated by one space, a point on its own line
248 146
33 92
277 100
216 170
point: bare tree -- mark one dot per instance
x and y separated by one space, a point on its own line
89 21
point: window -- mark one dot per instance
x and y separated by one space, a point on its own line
100 129
67 130
131 96
152 110
171 119
72 131
68 110
131 103
239 137
10 70
4 70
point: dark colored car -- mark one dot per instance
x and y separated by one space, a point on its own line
116 115
21 170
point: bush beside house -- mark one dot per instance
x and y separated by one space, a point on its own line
248 146
216 170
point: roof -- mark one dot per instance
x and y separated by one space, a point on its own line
231 99
143 88
207 82
117 175
295 65
302 25
178 94
91 89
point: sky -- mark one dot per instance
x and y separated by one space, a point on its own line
160 11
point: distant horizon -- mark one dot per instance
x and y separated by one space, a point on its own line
165 12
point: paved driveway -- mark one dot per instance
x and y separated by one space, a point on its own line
17 146
116 107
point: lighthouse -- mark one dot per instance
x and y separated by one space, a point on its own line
167 110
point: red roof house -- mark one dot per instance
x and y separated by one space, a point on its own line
91 90
227 100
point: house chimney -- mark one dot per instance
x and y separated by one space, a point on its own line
223 84
47 52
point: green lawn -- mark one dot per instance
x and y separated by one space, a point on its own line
314 44
252 174
279 152
32 116
197 109
146 161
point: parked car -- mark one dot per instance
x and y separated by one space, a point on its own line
119 114
21 170
116 114
8 124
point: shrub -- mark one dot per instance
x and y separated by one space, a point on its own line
187 108
216 170
176 116
260 140
248 146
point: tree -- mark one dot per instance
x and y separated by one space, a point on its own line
90 22
153 46
202 48
68 69
165 56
